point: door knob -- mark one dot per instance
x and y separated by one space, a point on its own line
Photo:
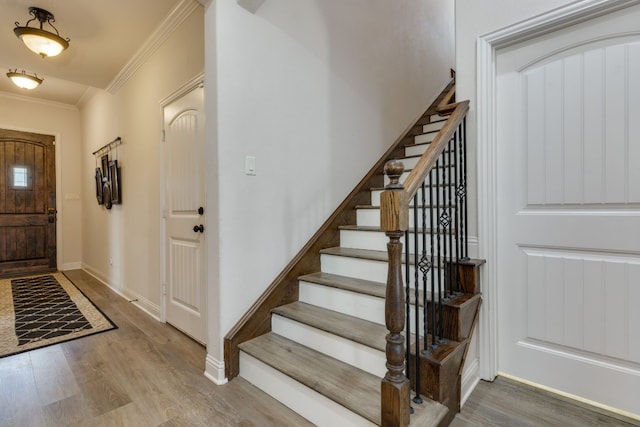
198 228
52 215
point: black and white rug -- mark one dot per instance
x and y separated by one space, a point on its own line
44 310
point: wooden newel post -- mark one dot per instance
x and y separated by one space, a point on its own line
394 220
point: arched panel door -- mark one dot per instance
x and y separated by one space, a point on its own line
569 210
27 203
184 225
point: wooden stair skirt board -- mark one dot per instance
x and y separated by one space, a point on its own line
322 389
315 340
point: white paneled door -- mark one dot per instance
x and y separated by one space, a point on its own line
184 228
569 210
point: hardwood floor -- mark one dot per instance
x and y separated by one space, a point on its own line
509 403
144 373
147 373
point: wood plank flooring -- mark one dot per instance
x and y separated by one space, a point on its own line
509 403
144 373
148 374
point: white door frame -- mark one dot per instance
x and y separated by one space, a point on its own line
196 81
486 114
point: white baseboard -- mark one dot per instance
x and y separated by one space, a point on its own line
214 370
71 266
473 246
139 301
630 416
96 274
145 305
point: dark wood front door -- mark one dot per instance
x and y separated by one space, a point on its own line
27 203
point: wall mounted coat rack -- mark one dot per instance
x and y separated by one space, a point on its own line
107 175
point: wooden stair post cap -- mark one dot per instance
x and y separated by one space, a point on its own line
394 170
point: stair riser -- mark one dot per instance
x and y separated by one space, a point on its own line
358 355
434 126
359 268
371 218
418 149
377 240
308 403
405 174
439 119
357 305
443 196
423 138
411 162
354 267
365 307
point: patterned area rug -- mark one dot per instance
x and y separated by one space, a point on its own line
44 310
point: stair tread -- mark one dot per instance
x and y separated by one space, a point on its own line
376 289
358 330
451 184
377 207
357 253
412 156
356 390
378 229
362 286
373 255
352 328
350 387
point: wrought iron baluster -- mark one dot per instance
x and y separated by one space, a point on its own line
456 209
416 284
439 249
450 192
425 266
407 278
465 238
433 269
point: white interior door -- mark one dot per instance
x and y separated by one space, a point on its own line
568 129
184 228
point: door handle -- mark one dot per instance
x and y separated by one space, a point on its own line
52 215
198 228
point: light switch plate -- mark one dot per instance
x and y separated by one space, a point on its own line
250 165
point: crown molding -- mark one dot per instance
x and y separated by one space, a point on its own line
176 17
32 100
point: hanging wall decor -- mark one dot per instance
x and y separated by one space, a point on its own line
114 176
107 176
98 177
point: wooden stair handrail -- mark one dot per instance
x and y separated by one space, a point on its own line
437 146
394 220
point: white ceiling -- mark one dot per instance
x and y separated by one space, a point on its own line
105 36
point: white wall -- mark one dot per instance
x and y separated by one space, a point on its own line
63 122
129 234
316 91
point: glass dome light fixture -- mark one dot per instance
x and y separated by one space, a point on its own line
24 80
43 42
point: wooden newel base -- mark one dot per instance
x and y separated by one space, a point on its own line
395 403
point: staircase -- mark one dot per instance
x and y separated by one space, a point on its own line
325 352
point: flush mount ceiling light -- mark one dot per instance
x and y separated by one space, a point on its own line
24 80
43 42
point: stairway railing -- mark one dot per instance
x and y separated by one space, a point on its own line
434 193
